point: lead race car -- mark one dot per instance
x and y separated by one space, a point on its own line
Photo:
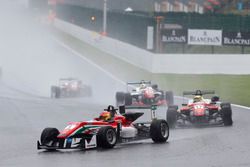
200 111
105 131
145 94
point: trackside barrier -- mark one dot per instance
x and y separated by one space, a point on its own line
161 63
124 51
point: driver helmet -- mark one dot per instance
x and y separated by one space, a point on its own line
197 98
105 116
143 86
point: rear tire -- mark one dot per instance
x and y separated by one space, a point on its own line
120 98
159 131
49 136
106 137
172 115
226 111
55 92
169 95
128 99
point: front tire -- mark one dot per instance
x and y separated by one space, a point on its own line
106 137
49 136
159 131
226 112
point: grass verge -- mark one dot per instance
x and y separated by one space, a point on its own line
231 88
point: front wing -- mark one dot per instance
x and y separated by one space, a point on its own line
70 143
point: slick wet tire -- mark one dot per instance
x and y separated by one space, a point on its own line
106 137
49 136
58 92
172 115
128 99
159 131
169 96
120 98
226 112
55 92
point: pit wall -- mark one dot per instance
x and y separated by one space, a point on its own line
160 63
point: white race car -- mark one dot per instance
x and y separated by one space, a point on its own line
143 93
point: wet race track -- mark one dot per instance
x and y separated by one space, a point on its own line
23 117
25 113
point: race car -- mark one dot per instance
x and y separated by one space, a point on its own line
145 94
109 129
70 87
200 111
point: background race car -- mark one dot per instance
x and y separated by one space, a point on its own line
70 87
144 93
200 111
105 131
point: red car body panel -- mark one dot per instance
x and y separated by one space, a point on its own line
74 126
149 93
199 108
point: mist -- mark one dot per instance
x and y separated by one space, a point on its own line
32 60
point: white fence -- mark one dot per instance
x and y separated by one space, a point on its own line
161 63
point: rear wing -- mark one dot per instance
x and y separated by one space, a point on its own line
68 79
122 109
199 92
138 83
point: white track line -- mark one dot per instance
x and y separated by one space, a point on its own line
89 61
111 75
240 106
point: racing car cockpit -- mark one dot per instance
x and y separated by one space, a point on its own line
108 114
105 116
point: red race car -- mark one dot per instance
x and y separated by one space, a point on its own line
105 131
200 111
70 87
143 93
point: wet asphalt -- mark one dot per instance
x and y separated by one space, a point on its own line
23 117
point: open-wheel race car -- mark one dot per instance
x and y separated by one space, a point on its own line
144 93
109 129
200 111
70 87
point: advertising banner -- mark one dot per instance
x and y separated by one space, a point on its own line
204 37
236 38
174 36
